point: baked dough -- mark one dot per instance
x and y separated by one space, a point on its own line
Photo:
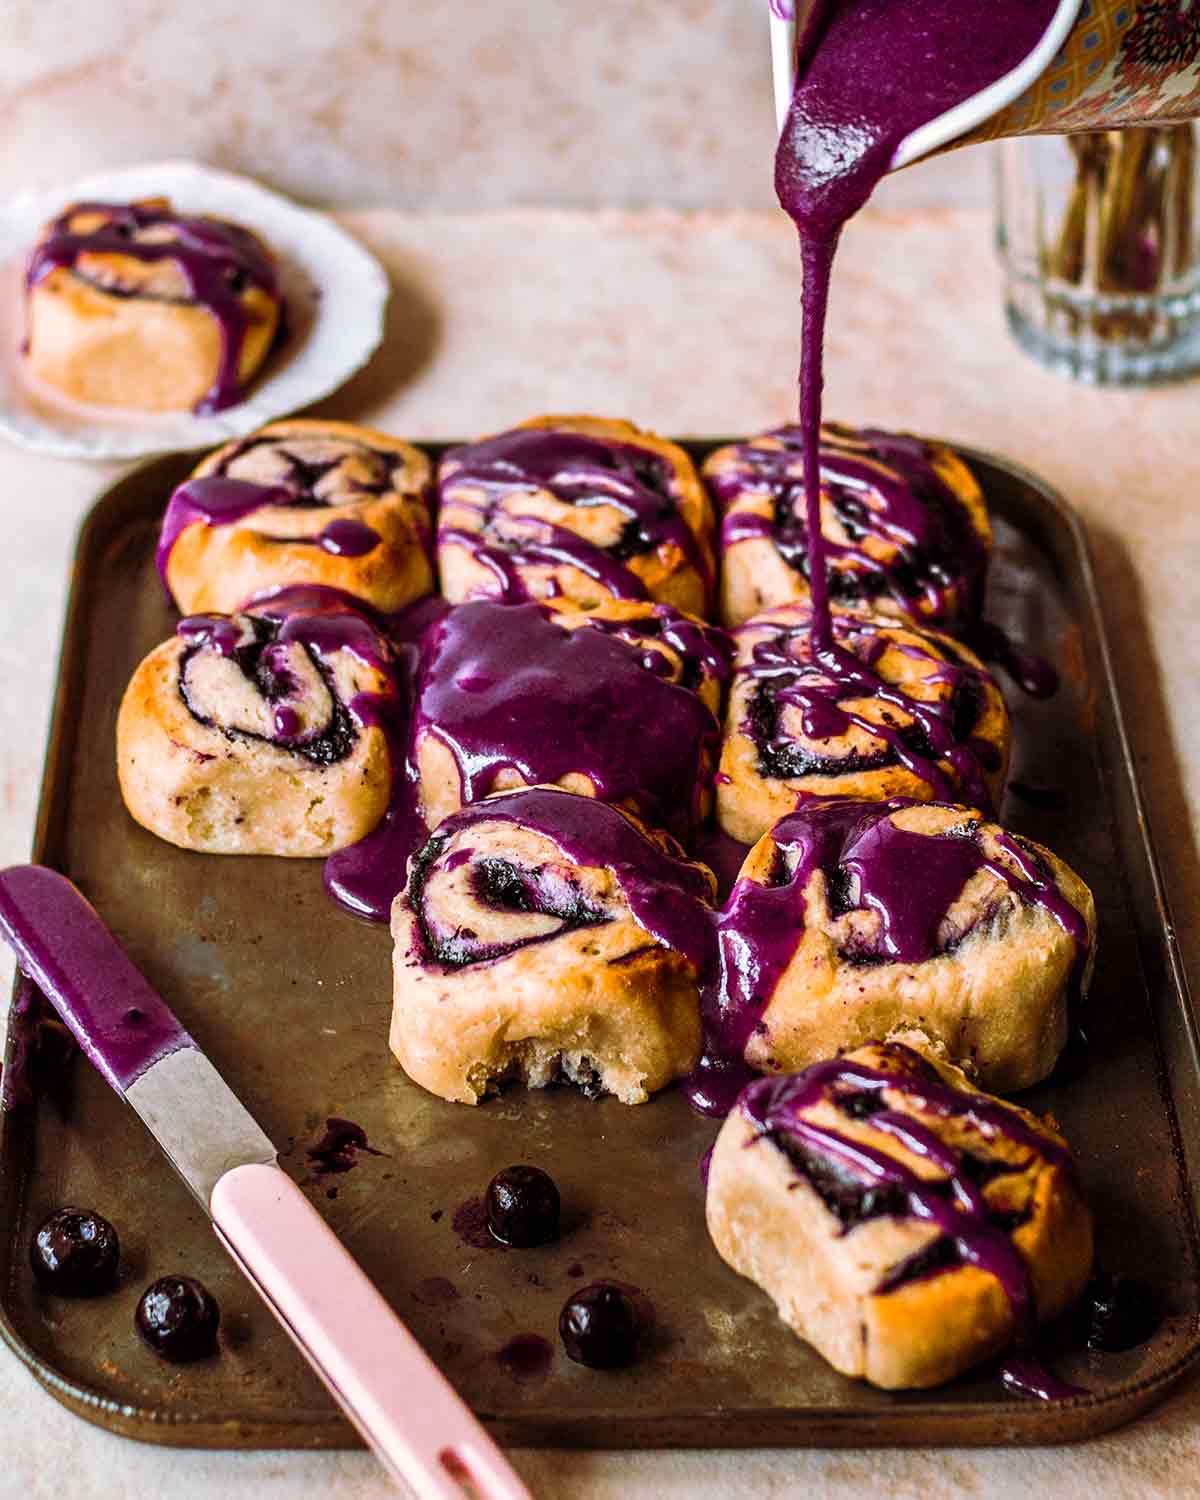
544 937
261 734
892 1272
135 306
918 715
579 508
301 502
855 920
618 701
905 525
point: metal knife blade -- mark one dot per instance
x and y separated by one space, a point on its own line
127 1030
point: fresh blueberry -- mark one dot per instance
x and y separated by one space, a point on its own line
178 1317
600 1326
75 1253
1118 1312
522 1207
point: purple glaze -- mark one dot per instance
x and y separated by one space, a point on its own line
1033 674
212 500
667 895
777 1109
509 687
527 1356
216 259
936 560
910 879
346 538
338 1147
504 685
119 1021
579 470
795 669
869 74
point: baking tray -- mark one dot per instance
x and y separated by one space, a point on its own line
290 997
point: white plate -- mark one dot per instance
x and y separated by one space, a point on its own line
336 294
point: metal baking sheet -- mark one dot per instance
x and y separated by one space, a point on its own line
290 997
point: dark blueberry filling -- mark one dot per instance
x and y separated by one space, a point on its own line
76 1253
522 1207
334 742
600 1326
782 760
178 1318
305 474
501 885
941 1255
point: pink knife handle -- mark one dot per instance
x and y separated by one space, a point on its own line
395 1395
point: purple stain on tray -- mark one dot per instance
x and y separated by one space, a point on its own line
527 1356
120 1023
436 1291
470 1223
338 1148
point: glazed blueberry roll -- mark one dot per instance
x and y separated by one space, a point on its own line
301 502
905 1225
905 526
134 305
547 937
274 731
890 711
854 920
617 702
575 508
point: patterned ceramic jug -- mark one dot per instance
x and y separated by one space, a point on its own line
1101 64
1124 62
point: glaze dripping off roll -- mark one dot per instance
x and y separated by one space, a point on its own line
906 1225
301 502
890 710
545 936
576 508
274 731
904 524
617 702
852 920
132 305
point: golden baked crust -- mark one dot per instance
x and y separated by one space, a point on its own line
517 961
501 536
992 995
113 330
212 776
936 580
340 473
683 650
770 762
787 1214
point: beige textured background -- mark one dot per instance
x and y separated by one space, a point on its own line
445 104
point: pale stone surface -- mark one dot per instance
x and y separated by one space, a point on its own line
689 324
445 104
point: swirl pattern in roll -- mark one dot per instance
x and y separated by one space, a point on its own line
273 731
575 508
617 702
132 305
545 936
301 502
906 1225
857 920
904 522
891 711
